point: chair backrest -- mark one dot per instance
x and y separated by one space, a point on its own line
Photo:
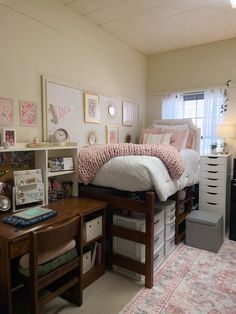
51 238
55 236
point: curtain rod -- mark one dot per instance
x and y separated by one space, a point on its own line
190 90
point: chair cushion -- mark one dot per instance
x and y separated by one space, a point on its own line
49 255
51 265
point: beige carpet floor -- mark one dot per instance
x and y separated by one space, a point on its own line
108 295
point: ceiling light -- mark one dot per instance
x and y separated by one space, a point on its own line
233 3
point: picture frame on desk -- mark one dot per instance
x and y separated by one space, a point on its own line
8 136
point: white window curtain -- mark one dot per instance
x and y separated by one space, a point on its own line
212 112
173 107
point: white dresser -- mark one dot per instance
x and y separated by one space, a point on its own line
214 185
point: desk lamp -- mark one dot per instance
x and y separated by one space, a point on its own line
225 131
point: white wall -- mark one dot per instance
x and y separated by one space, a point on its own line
41 37
189 69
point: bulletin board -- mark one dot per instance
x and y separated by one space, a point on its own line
63 107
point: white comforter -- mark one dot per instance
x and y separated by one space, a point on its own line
143 173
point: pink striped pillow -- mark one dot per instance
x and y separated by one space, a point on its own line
191 134
149 131
178 138
157 139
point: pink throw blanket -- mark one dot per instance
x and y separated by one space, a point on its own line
92 158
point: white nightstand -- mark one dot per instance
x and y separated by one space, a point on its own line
214 185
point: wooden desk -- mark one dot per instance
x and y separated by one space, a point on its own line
15 242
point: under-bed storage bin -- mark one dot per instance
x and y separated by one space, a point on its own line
204 230
92 229
158 258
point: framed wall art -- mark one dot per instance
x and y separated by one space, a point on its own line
28 113
91 108
6 111
112 134
127 113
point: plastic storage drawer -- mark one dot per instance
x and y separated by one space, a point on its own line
92 229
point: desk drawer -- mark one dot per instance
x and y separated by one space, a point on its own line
217 160
217 175
213 167
212 190
215 182
19 247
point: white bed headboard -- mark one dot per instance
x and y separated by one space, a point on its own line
172 122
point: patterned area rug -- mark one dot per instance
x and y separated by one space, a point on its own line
191 281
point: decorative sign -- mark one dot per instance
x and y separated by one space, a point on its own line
28 113
6 111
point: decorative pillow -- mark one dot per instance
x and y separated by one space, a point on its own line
157 139
149 131
191 134
49 255
178 138
46 268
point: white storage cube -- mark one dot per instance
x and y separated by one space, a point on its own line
169 245
87 261
92 229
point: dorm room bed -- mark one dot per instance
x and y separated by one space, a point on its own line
149 178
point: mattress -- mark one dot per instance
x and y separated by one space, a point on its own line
145 173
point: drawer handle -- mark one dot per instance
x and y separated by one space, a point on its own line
212 193
172 227
172 241
157 255
98 222
212 203
213 157
90 226
212 171
173 217
212 186
212 179
212 165
157 238
158 221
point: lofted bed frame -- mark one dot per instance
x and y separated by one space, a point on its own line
145 205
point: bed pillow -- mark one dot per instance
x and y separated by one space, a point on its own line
149 131
157 138
191 133
49 255
178 138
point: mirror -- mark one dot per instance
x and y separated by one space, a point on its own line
112 110
92 139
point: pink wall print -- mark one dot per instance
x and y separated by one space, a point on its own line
6 111
28 113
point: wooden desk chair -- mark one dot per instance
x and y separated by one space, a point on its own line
62 277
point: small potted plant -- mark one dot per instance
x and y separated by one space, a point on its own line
213 147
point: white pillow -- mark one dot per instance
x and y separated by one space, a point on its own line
157 138
174 126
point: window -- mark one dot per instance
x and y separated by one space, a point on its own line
204 108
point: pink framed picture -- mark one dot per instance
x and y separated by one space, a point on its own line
9 136
6 111
91 108
112 134
28 113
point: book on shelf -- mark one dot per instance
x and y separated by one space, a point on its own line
99 254
94 253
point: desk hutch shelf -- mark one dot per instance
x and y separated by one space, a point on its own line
39 158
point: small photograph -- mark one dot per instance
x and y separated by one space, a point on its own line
9 137
91 108
127 113
112 134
